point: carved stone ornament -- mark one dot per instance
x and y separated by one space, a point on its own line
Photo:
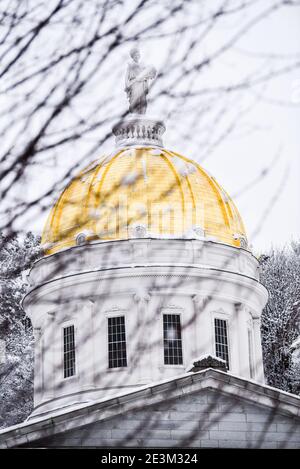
141 296
242 239
208 361
82 237
198 231
138 230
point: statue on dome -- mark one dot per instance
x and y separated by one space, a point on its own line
137 83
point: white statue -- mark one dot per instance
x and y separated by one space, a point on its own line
138 78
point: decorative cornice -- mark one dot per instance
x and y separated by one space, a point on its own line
114 309
220 311
171 306
60 257
152 271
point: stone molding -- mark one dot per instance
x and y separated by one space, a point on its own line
40 293
224 383
123 253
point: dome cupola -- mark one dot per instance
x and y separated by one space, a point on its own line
142 189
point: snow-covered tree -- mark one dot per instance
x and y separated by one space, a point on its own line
280 273
16 339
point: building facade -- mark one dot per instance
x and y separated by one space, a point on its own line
147 269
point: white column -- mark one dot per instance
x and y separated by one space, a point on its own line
243 340
142 351
258 359
48 356
203 326
84 346
38 370
234 345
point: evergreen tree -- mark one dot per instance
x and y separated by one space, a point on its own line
280 273
16 360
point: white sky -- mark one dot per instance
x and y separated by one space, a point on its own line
271 208
241 159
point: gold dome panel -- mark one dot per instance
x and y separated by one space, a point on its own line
142 192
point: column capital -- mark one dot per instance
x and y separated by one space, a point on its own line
37 333
200 300
256 320
50 317
239 307
141 296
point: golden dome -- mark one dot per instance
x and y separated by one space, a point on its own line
142 192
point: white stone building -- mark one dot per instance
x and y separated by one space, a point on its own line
147 270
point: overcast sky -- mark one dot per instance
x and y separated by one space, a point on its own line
270 208
240 159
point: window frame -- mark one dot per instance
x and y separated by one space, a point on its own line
223 317
175 312
108 316
64 326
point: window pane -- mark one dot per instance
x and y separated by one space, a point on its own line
221 340
117 356
69 351
172 339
